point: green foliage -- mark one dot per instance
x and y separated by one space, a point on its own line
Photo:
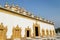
57 30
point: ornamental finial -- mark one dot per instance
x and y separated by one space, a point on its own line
17 26
1 24
6 5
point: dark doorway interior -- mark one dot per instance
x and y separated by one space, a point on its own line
36 31
27 33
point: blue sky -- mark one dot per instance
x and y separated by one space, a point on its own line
48 9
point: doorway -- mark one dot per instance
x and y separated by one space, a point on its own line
36 31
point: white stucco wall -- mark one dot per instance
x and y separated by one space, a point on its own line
46 26
11 21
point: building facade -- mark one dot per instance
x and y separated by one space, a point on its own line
22 25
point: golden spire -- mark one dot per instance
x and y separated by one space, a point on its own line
17 27
1 24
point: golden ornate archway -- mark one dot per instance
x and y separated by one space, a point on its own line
43 32
16 33
54 33
51 33
47 32
3 31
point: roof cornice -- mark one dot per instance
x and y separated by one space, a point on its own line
27 14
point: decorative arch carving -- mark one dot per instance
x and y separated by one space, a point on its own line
3 31
43 32
16 33
51 33
47 32
54 33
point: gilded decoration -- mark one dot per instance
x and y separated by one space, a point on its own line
3 31
27 29
54 33
47 32
34 32
43 32
51 33
7 6
16 33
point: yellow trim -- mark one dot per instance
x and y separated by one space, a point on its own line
47 32
43 32
54 34
16 33
3 31
51 33
36 25
26 32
